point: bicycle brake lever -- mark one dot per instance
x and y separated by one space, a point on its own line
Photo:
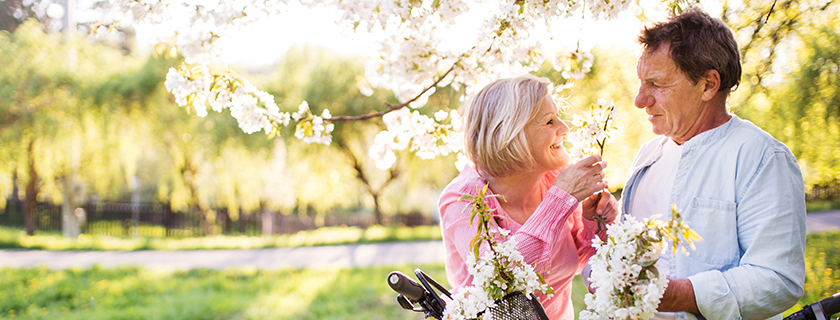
404 303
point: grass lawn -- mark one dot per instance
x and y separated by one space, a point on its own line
137 293
818 206
329 293
317 293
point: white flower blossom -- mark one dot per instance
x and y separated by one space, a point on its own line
499 270
595 129
426 137
625 268
414 51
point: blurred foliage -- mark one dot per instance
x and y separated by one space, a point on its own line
789 87
14 12
822 268
122 127
88 109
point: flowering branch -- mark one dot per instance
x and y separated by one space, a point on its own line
408 61
625 276
392 107
603 142
595 130
500 271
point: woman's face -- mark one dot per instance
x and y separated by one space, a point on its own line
545 137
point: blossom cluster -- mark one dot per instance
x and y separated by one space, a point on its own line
254 110
499 271
415 52
312 128
574 65
425 136
627 282
595 129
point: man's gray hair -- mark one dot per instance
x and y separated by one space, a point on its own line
698 43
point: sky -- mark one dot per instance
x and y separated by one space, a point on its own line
263 42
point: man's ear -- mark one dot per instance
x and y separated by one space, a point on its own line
711 84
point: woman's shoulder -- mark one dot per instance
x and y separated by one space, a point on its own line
464 183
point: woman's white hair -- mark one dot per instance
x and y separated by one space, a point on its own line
494 124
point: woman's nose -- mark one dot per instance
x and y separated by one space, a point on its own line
563 129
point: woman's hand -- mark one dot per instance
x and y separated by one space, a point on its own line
583 178
602 204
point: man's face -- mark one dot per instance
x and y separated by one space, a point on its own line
673 103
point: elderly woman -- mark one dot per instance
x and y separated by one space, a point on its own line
513 137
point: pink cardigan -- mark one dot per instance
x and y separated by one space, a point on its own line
556 237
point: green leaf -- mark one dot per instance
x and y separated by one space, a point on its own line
476 248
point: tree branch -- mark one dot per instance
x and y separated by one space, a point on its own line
392 107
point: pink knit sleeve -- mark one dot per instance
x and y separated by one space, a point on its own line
583 233
454 220
536 239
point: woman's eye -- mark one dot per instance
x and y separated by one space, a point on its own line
550 122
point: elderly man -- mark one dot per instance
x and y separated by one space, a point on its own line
737 186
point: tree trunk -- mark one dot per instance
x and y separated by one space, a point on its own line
15 186
69 223
31 192
360 174
377 214
208 217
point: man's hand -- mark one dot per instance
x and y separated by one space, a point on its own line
679 296
606 206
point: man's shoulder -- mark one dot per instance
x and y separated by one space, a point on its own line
746 136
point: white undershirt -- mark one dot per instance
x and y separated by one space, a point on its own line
653 197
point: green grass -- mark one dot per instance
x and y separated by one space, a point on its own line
818 206
318 293
17 238
136 293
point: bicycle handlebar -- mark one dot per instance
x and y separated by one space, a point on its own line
406 286
819 310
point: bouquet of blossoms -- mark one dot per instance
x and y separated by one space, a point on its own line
624 275
594 130
499 275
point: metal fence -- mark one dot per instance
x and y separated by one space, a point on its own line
158 220
823 192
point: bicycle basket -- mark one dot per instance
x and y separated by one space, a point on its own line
517 306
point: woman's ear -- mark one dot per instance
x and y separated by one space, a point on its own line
711 84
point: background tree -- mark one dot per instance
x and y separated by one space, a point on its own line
790 78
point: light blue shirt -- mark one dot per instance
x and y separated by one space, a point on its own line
742 191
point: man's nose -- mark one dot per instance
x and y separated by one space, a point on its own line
643 100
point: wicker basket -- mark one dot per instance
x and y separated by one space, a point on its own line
517 306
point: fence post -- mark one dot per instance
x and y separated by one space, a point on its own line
267 223
135 207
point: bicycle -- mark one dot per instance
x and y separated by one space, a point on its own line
423 298
820 310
